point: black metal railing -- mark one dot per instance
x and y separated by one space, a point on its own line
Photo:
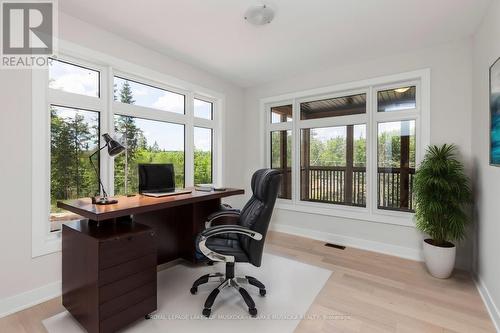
336 185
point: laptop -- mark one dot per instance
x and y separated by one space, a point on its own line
158 180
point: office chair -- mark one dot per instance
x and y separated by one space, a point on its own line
241 242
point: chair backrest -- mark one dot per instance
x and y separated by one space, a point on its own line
256 214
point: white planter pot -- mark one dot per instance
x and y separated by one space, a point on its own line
440 261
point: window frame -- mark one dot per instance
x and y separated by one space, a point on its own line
43 240
421 115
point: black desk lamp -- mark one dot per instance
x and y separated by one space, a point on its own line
114 148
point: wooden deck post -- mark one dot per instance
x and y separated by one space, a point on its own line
349 170
305 161
404 184
285 185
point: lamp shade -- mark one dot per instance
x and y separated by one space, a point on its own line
114 147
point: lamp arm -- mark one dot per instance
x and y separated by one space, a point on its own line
97 171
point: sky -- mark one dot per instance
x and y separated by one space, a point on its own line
324 134
169 136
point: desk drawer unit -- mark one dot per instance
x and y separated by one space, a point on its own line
109 273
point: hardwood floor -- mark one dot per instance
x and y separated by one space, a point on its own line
371 292
367 292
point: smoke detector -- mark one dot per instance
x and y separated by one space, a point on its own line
259 15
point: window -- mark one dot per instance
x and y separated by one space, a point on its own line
281 145
281 114
147 141
353 148
131 92
74 136
333 165
75 101
333 107
203 109
73 78
281 159
396 165
402 98
202 155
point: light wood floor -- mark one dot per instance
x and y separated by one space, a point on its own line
367 292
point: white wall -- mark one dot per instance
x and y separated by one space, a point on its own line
486 49
450 122
18 271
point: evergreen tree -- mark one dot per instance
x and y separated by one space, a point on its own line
155 148
126 95
126 126
80 136
72 140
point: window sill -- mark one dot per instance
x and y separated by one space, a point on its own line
356 213
50 244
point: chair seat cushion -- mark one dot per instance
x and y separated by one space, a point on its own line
226 245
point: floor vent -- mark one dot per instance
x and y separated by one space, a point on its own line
340 247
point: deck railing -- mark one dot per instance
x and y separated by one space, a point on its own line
338 185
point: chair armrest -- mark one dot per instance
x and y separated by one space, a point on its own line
219 230
222 213
230 229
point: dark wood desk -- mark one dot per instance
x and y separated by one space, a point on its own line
109 262
176 219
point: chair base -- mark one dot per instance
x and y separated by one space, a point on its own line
229 280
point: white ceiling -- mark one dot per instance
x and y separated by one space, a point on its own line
305 34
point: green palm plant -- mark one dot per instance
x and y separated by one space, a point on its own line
442 192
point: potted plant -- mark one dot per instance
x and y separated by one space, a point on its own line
442 191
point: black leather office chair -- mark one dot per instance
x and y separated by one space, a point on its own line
241 242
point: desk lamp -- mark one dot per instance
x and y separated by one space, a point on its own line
114 149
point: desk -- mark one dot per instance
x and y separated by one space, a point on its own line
109 262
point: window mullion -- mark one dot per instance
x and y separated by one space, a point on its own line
72 100
107 126
148 113
371 153
334 121
189 141
199 122
296 152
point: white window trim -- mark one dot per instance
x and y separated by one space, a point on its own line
421 115
44 241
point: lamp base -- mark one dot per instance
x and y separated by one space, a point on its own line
104 201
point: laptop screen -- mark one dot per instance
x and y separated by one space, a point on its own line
156 178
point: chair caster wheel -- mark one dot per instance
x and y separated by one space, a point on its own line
262 292
253 312
194 290
147 317
206 312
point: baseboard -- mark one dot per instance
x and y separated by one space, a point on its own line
488 302
29 298
393 250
